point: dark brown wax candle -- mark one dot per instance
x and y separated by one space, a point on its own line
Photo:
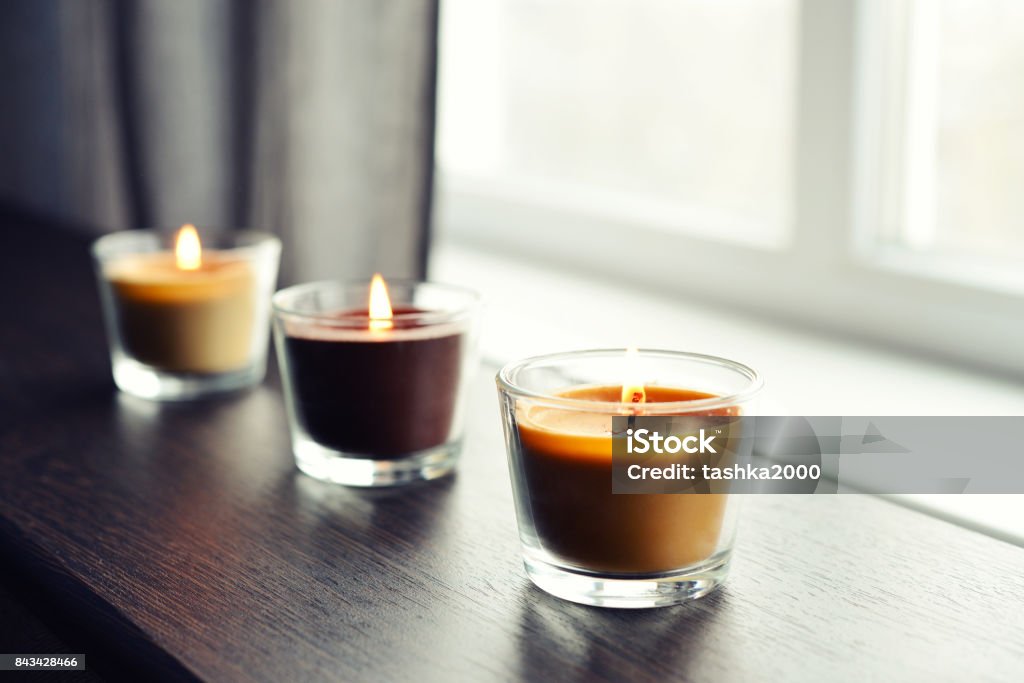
384 393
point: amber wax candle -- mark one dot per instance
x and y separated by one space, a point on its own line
580 540
566 461
187 320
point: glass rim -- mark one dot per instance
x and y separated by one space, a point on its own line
104 246
505 382
471 302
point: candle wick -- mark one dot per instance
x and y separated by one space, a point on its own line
637 397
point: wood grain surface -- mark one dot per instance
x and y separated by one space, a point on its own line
180 541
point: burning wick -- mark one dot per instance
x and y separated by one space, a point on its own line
381 315
188 254
632 392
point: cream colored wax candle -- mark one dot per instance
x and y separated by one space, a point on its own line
189 311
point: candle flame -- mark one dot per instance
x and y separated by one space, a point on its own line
187 251
632 392
380 305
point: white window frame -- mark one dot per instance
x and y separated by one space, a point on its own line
832 275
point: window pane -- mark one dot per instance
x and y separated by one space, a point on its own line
980 180
676 108
959 127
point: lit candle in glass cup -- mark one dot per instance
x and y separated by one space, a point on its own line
375 377
185 319
581 541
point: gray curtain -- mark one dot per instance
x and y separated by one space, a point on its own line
310 118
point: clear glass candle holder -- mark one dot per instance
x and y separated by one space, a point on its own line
581 541
372 402
181 333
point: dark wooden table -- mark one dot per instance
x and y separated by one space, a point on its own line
179 541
